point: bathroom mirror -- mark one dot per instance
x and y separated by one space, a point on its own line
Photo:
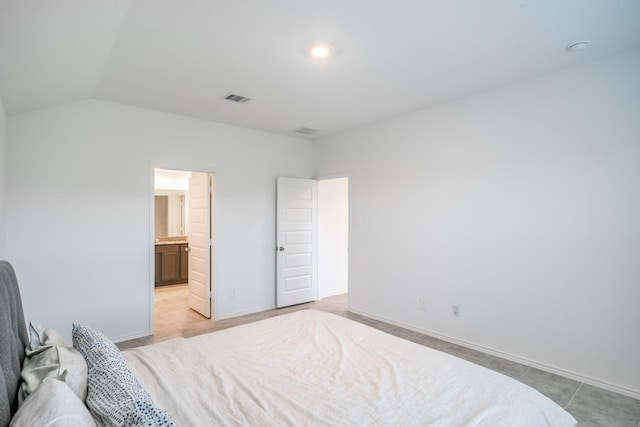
170 213
171 189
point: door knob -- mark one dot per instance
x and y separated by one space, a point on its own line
281 249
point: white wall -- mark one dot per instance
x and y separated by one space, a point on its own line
520 205
333 236
78 193
3 178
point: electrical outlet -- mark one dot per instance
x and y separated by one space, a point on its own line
422 303
233 293
455 310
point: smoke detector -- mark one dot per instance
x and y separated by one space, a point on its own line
578 46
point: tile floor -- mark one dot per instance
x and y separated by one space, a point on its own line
590 405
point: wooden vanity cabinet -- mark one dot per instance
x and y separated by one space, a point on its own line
184 262
171 264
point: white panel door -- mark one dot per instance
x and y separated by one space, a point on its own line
296 260
200 243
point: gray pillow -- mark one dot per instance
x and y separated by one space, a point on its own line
52 404
49 356
114 396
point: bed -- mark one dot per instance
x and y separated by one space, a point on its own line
306 368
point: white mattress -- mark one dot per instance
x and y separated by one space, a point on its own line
312 368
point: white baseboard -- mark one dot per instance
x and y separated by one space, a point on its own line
243 312
131 336
332 293
514 358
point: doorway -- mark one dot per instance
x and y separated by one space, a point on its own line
183 236
312 239
333 237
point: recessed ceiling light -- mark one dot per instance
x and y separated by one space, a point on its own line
578 46
319 50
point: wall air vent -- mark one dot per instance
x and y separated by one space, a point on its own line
306 131
237 98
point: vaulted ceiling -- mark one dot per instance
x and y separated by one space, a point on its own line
390 57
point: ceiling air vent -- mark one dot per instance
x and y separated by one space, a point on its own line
306 131
237 98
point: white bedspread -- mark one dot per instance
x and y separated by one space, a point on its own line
311 368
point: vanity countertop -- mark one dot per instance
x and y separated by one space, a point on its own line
179 240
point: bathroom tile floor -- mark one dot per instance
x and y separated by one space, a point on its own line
591 406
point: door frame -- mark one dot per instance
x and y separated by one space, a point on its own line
177 166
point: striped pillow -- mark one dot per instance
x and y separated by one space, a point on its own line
114 396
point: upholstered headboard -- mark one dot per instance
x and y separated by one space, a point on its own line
13 340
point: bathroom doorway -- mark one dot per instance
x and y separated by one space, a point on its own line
183 218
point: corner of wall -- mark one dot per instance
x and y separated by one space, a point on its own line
3 178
